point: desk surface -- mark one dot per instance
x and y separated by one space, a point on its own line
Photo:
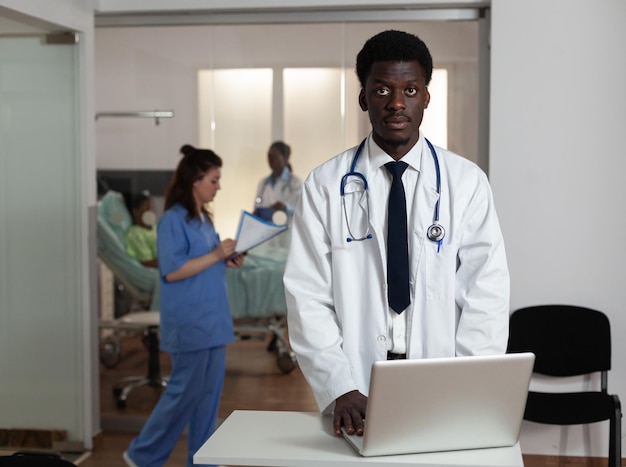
300 439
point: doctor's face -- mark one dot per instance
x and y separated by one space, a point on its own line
276 160
395 96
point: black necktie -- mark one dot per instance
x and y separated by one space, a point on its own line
397 245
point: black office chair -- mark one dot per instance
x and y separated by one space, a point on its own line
34 459
569 341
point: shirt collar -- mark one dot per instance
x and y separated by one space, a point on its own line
284 176
378 157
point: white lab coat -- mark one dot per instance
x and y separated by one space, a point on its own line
336 290
286 189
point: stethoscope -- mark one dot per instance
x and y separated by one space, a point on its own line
435 232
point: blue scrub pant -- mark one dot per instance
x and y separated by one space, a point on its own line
192 396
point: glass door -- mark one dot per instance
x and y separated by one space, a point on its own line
42 340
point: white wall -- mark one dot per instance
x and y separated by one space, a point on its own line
557 169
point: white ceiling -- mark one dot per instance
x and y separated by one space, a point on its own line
202 12
166 12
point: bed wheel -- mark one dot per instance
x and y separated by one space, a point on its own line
286 362
273 344
110 352
120 402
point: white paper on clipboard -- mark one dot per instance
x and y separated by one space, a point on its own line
253 231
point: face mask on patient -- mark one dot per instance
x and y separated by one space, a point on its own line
149 218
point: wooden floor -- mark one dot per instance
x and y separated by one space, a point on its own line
253 381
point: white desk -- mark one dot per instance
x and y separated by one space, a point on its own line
300 439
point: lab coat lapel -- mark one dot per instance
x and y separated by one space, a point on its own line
424 200
378 204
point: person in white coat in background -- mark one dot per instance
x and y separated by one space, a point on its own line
336 278
278 192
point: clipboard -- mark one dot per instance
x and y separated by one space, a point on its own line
254 230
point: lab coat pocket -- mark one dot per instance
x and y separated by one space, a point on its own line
439 268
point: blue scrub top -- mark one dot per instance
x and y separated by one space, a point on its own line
195 312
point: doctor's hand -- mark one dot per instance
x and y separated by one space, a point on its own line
350 413
279 206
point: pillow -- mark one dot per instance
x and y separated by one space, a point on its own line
112 209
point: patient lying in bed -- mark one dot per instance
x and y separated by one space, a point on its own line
140 237
114 220
255 290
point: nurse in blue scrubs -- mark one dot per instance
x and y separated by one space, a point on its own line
196 322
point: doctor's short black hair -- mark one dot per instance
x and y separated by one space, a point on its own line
393 46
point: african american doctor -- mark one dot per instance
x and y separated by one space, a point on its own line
336 278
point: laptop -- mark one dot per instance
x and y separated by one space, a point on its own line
444 404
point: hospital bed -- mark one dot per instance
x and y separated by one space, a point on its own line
113 222
137 281
255 290
257 301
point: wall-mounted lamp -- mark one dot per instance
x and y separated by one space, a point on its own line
156 114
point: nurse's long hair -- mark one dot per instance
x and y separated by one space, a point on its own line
194 165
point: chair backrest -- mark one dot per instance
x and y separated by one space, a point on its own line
34 459
566 340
